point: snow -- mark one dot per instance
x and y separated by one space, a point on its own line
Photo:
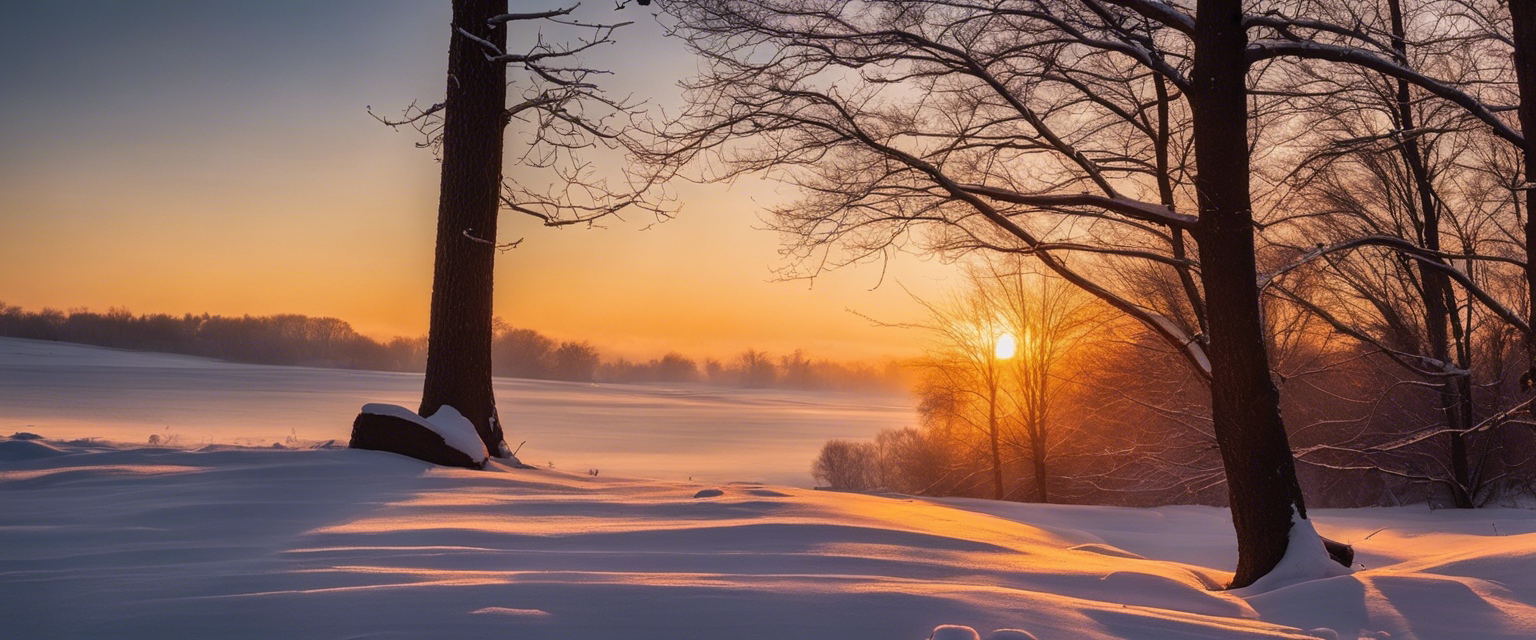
229 542
215 540
1305 559
954 632
1193 346
457 431
1011 634
67 391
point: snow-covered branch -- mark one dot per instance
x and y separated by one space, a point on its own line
1267 49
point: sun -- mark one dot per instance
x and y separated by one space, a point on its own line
1005 346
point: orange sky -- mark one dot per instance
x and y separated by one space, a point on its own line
259 184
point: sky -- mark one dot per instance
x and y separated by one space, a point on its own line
219 157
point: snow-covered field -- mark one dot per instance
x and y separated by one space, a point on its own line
67 391
102 540
112 542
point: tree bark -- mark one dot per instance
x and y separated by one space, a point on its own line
459 340
1245 405
1523 16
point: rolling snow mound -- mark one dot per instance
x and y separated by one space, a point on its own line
107 541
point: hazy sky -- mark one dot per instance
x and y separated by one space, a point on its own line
218 156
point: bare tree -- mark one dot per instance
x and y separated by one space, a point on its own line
846 466
969 342
904 115
561 112
1419 233
1048 320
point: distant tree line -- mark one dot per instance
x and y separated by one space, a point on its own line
292 339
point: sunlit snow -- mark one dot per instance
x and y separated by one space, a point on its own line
219 541
267 543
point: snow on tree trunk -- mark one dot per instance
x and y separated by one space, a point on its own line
1306 558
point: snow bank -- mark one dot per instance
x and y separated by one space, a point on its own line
265 543
1011 634
20 447
1305 559
447 422
954 632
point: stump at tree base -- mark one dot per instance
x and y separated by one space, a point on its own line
1340 552
398 435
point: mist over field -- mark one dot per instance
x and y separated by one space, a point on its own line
669 431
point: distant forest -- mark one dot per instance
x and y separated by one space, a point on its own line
291 339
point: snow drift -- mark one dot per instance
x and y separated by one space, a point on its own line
104 541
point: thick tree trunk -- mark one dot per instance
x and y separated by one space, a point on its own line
1523 14
459 340
1245 405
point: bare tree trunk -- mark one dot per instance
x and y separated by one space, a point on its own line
1523 15
1038 414
459 340
997 457
1245 405
1436 287
1042 492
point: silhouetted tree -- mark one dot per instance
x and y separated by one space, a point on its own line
567 113
675 367
290 339
948 151
846 466
576 361
755 369
1048 320
522 353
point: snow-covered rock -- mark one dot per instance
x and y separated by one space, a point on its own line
446 437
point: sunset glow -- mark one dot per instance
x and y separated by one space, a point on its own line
259 184
810 319
1005 347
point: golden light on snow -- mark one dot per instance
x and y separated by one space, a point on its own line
1005 346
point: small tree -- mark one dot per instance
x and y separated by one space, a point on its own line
846 466
1048 319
